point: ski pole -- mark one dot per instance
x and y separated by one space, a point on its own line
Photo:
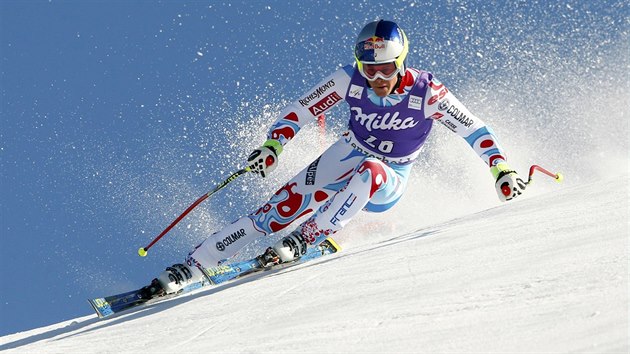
505 187
557 176
143 250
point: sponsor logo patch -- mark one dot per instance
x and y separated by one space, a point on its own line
221 245
323 105
388 121
460 116
436 116
306 100
438 96
355 91
344 208
311 172
373 43
415 102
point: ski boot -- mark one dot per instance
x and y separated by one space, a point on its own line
290 248
269 258
176 277
152 290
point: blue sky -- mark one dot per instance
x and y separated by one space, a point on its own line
116 115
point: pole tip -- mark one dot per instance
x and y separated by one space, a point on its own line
142 252
559 177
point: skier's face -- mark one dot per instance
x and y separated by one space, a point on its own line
383 87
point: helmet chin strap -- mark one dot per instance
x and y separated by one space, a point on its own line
397 85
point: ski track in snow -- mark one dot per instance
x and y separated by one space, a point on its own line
547 273
178 346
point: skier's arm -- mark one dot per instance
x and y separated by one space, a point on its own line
443 106
319 99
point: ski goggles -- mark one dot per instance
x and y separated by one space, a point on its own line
385 71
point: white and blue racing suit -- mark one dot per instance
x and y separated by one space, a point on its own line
366 169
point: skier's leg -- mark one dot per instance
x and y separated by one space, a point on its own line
309 189
303 194
374 187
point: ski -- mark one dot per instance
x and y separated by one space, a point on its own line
113 304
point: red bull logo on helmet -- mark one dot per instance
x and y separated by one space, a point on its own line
374 43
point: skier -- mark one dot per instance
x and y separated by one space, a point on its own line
392 111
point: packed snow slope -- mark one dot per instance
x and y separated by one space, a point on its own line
547 273
116 115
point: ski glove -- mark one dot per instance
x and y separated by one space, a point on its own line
265 159
509 184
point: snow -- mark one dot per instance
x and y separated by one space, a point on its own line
546 273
